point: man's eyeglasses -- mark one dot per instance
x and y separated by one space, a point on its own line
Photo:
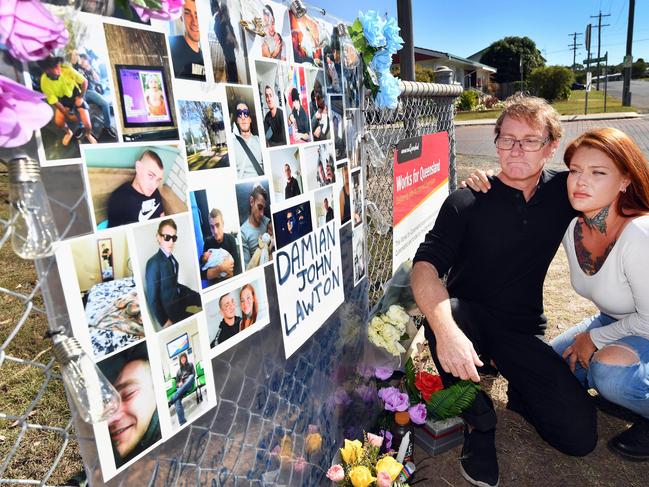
526 145
243 113
168 237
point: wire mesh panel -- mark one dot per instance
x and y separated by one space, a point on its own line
37 438
261 432
424 108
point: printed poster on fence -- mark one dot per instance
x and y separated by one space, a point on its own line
309 284
420 187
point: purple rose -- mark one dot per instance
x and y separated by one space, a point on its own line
29 30
417 413
393 399
383 373
21 112
169 10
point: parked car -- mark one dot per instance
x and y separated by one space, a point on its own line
578 86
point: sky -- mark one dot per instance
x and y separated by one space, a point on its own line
464 27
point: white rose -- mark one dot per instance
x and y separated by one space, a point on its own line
398 315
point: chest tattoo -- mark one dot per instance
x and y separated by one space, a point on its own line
588 263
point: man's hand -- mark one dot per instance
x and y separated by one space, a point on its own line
457 355
478 181
581 350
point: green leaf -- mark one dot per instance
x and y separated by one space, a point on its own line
154 4
451 401
356 27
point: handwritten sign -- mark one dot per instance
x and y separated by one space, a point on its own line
309 280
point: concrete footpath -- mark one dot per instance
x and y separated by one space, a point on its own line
478 138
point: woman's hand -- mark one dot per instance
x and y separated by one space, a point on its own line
581 350
478 181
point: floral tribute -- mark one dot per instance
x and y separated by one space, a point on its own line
407 379
362 466
22 111
420 392
386 330
155 9
377 40
29 31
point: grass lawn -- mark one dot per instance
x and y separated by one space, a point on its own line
574 105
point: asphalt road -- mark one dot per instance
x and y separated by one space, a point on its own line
477 140
639 93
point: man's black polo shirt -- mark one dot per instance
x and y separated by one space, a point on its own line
496 247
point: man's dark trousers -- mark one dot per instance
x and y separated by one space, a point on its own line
541 386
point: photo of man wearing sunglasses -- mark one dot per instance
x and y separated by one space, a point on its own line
169 301
247 149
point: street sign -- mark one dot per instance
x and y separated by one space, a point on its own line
596 60
589 81
587 37
628 61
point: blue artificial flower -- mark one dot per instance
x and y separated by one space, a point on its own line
382 61
372 28
392 37
389 91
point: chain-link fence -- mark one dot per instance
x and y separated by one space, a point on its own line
424 108
37 438
264 403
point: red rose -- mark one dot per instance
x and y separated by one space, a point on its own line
427 384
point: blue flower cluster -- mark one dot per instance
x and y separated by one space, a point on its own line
383 36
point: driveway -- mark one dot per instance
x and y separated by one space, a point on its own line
639 93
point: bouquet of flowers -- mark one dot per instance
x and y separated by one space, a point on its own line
390 328
377 39
361 465
420 392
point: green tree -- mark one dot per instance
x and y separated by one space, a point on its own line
425 75
551 82
505 56
639 68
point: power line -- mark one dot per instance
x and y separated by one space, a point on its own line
599 40
573 47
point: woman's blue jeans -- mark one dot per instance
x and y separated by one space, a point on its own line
626 385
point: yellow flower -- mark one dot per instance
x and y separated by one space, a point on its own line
352 451
313 443
389 465
361 476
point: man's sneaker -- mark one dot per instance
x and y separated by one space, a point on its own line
633 444
478 463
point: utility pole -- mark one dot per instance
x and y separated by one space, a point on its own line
574 47
407 52
628 59
599 40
